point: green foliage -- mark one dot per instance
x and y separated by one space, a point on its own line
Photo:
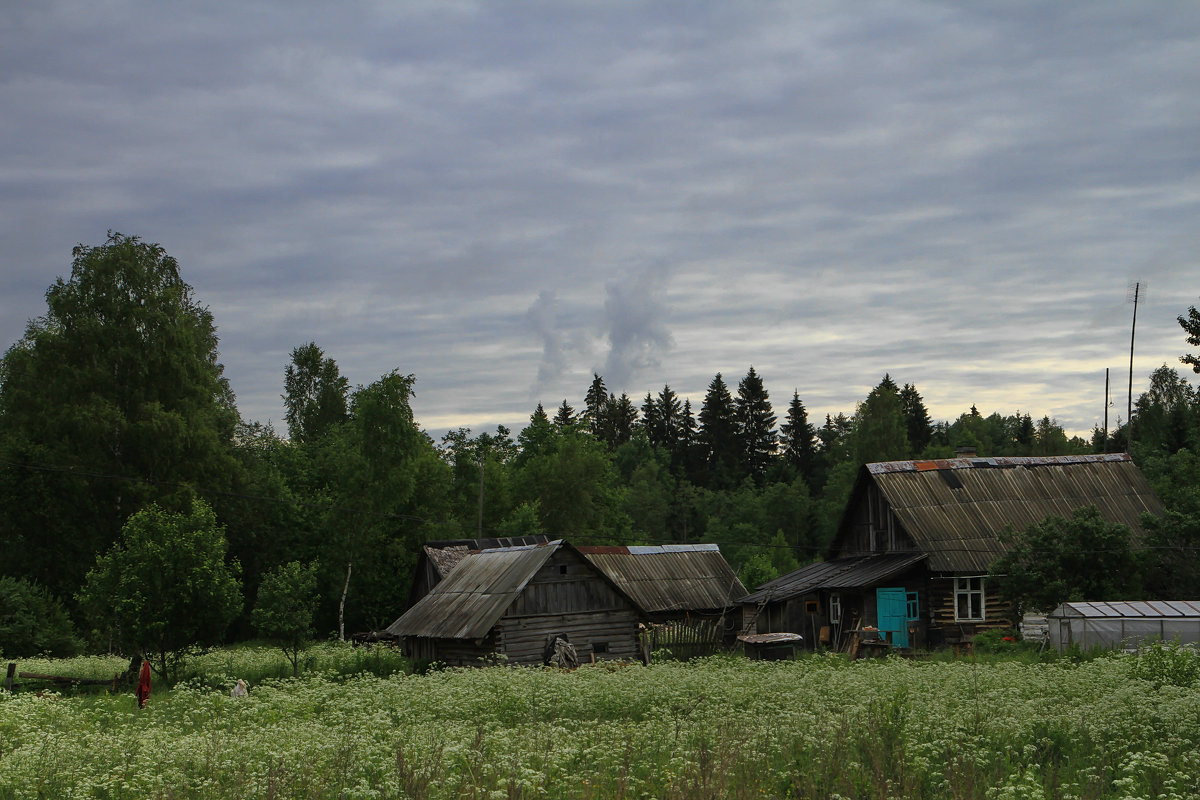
314 394
1168 664
286 605
718 436
116 399
757 571
164 587
1191 326
33 622
880 427
755 421
1057 560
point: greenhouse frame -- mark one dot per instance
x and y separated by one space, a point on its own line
1124 625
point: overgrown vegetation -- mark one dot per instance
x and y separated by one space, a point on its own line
718 728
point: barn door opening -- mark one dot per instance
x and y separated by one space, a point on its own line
892 609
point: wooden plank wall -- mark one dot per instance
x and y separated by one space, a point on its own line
568 595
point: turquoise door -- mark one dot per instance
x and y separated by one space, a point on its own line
892 610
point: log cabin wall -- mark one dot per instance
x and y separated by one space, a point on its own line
569 596
997 614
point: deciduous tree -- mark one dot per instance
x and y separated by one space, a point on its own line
165 586
113 399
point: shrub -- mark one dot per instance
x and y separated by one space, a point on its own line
1169 664
34 622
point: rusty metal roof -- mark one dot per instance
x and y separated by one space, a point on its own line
664 578
953 508
840 573
1140 609
470 600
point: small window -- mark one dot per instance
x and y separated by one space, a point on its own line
599 647
562 570
968 600
835 609
812 607
914 607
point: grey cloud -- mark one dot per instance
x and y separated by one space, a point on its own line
635 317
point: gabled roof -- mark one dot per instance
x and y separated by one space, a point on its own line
953 508
470 600
840 573
445 554
673 577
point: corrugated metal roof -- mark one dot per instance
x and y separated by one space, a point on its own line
1153 609
840 573
670 577
445 554
954 508
469 601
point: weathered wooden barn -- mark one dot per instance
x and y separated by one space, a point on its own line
687 593
912 553
511 601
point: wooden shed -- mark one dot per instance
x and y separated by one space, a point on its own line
687 593
511 601
673 581
945 517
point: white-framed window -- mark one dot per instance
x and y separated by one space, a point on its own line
835 609
968 599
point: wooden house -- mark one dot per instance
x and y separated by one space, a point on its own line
512 601
917 538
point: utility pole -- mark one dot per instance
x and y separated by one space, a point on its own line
1105 446
482 461
1129 403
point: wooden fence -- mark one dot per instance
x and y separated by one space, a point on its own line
685 639
58 680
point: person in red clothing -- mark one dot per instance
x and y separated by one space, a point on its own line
143 687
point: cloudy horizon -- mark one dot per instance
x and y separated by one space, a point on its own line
503 199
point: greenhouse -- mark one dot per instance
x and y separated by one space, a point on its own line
1124 625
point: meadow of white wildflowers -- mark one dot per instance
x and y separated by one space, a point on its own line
728 728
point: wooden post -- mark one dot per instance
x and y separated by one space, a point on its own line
8 680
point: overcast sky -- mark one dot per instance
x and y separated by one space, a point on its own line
503 198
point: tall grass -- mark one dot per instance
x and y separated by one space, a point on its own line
718 728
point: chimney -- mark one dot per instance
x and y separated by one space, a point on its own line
965 451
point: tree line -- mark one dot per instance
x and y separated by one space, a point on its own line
114 404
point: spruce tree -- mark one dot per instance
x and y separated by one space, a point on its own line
755 424
799 440
651 421
916 418
620 418
718 434
669 411
565 418
594 404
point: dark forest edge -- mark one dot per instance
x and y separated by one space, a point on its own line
115 414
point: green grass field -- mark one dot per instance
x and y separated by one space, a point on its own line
818 727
